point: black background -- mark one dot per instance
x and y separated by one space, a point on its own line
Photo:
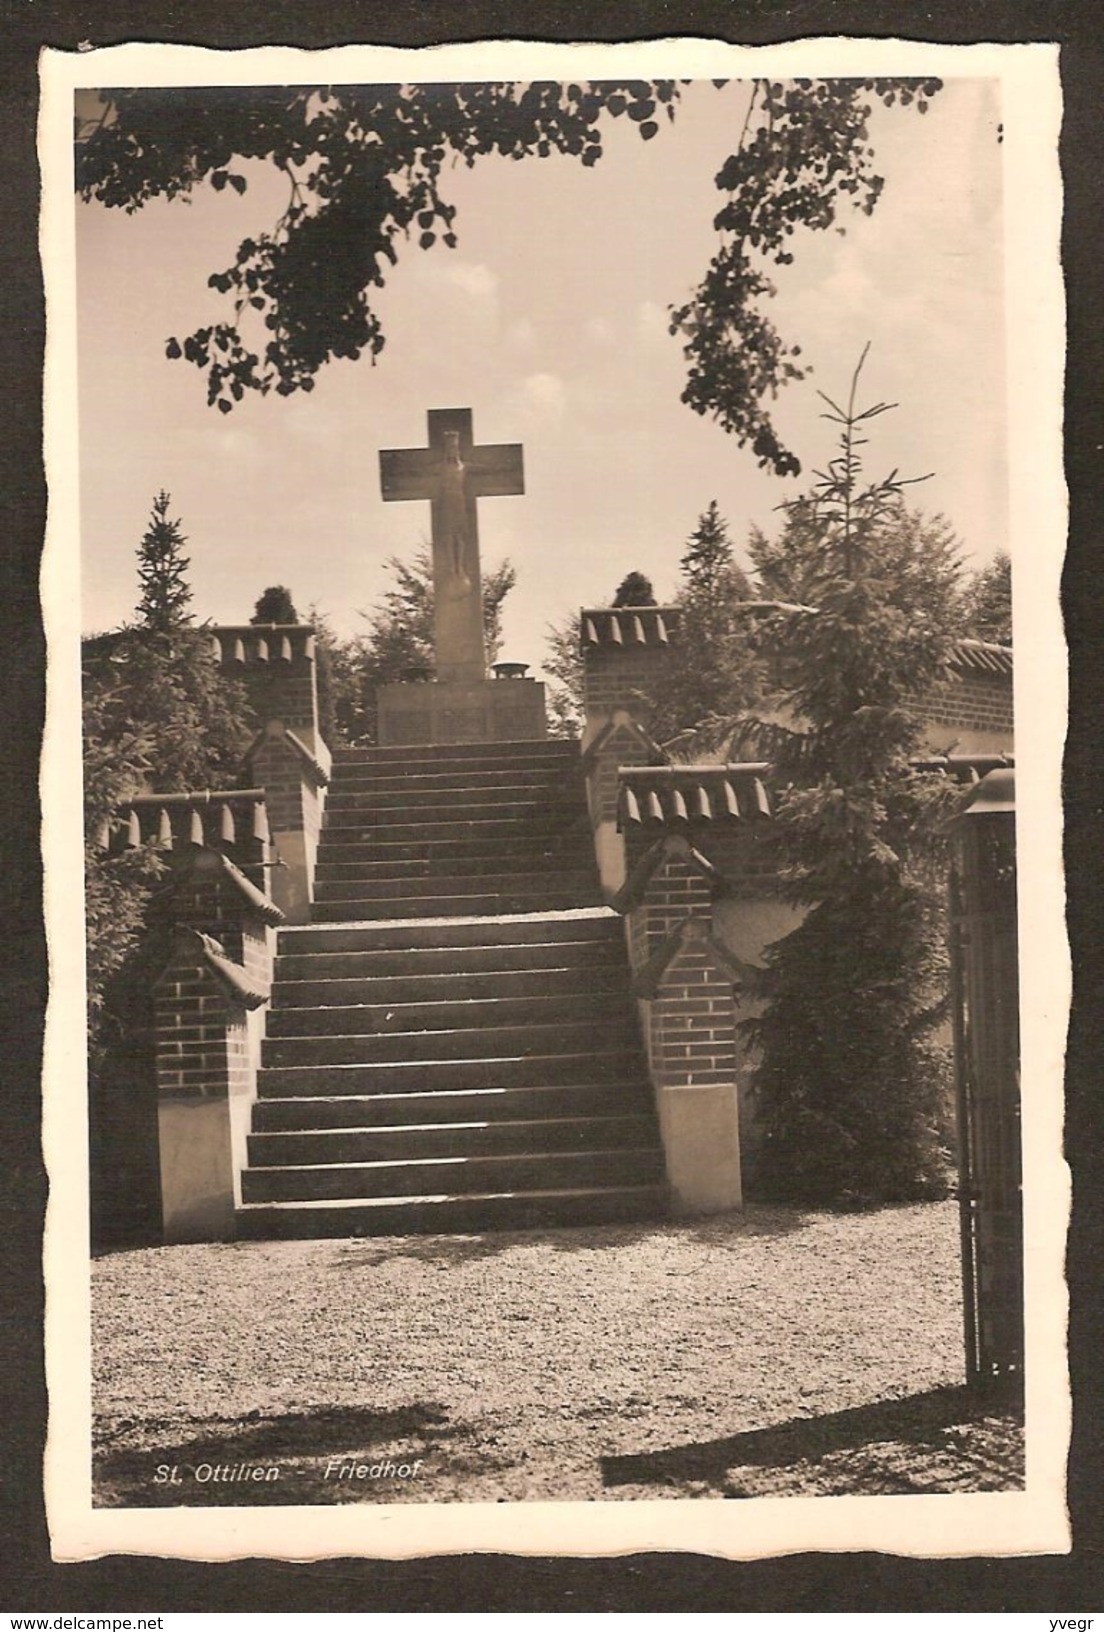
813 1582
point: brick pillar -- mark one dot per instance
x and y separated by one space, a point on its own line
620 743
207 1001
684 979
294 782
276 664
626 651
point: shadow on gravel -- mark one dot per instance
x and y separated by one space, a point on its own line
724 1231
946 1439
301 1445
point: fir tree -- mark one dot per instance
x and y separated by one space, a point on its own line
708 558
987 602
851 1083
162 566
713 671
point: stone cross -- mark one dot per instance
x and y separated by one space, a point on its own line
453 474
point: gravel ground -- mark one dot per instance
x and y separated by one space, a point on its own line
768 1352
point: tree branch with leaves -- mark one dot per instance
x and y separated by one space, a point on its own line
367 166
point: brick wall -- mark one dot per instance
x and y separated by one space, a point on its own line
276 665
611 676
691 1021
201 1039
291 797
971 702
741 851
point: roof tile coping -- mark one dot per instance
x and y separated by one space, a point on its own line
983 655
194 800
670 793
632 890
316 772
615 626
969 768
236 982
226 638
646 980
682 793
204 860
191 799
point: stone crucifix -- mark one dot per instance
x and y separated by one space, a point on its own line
453 474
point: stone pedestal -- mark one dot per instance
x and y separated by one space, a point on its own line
441 712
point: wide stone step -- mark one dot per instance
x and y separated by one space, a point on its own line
578 859
536 829
605 959
470 753
553 791
441 1215
321 1147
593 924
444 906
581 981
484 1105
375 889
459 1014
427 813
308 1078
540 774
339 849
453 1175
468 1043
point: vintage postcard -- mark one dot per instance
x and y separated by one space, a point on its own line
556 704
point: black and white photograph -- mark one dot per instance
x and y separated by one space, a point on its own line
551 799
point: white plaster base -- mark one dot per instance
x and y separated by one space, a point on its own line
291 883
700 1128
609 852
197 1169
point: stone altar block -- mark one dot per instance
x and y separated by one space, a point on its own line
441 711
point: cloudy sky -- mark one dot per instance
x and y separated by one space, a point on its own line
549 321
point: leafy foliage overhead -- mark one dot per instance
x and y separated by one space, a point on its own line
365 167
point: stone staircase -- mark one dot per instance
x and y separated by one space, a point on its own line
452 1044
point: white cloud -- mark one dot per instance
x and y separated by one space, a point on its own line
541 398
651 321
522 335
471 278
597 330
546 391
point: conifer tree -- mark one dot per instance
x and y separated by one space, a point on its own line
162 566
713 671
707 561
851 1083
987 602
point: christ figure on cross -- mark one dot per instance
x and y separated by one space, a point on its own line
453 474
